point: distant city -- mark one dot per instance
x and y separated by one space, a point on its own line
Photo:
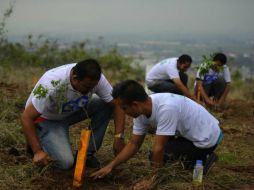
149 49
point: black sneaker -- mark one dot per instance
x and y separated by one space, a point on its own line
92 162
210 160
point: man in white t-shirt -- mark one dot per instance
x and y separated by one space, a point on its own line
64 96
169 76
182 127
212 84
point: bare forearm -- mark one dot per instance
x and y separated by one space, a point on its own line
224 95
119 117
186 92
119 120
129 150
29 130
203 93
157 159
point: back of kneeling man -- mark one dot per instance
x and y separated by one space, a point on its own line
170 115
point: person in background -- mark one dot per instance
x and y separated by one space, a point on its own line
62 97
214 85
169 76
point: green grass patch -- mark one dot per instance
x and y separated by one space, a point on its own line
228 157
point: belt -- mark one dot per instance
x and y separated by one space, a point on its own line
39 120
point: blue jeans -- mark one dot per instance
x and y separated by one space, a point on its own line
54 135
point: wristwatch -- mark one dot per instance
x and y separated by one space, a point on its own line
119 135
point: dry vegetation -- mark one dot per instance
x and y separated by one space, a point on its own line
234 170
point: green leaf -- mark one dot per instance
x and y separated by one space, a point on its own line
40 92
55 82
206 64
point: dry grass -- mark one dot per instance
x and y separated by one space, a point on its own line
234 170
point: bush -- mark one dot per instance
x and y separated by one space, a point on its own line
41 52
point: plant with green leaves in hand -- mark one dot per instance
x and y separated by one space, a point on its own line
207 63
60 92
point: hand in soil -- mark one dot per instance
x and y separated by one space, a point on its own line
101 173
41 158
145 185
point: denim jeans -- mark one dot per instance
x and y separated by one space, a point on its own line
54 135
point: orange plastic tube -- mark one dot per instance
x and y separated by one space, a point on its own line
199 93
81 158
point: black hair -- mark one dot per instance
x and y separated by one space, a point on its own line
183 59
221 57
88 68
129 91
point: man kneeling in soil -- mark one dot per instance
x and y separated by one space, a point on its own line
62 97
182 127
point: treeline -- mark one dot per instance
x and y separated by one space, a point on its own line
41 52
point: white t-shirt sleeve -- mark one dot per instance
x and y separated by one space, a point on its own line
167 121
103 89
172 71
139 127
41 104
226 74
198 75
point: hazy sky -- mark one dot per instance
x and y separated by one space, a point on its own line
102 17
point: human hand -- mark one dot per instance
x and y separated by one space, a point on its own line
209 101
218 107
201 103
118 145
101 173
41 158
145 184
221 102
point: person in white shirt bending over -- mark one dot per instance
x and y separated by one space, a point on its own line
62 97
212 84
182 128
169 76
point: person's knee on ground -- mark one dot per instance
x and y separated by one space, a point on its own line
54 140
65 163
100 114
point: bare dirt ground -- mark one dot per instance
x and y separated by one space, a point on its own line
234 169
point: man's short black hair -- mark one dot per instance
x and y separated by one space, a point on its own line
221 57
183 59
88 68
129 91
